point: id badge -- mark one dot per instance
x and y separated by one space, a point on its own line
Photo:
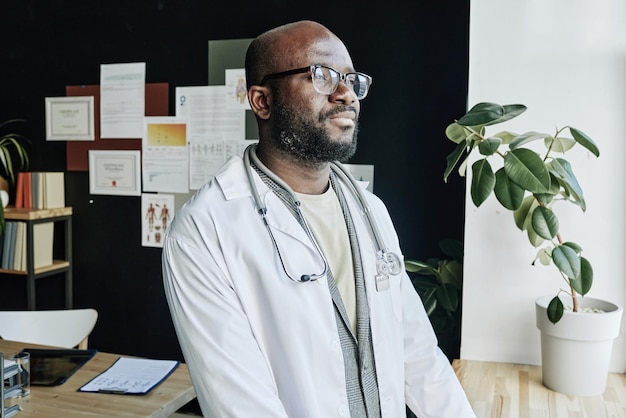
382 282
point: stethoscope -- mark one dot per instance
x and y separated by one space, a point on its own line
387 262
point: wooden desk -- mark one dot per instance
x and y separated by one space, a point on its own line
65 401
515 391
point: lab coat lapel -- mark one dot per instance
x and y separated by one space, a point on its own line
367 245
234 183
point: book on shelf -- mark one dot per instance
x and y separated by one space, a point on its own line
19 190
19 259
43 241
40 190
15 245
28 191
6 243
54 190
34 191
10 249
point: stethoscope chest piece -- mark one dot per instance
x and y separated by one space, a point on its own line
386 263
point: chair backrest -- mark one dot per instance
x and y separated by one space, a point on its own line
66 328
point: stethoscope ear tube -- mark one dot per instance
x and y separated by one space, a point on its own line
260 206
262 210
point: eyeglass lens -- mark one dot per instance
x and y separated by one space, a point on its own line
326 80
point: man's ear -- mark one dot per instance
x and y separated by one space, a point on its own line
260 101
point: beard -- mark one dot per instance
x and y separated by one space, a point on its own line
296 136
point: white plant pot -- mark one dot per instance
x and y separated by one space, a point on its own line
576 351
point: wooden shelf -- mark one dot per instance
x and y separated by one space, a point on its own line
56 265
64 266
22 214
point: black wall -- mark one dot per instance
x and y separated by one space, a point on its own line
418 58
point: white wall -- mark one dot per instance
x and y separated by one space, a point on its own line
565 60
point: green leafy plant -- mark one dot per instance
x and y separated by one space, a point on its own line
13 156
439 282
12 150
528 184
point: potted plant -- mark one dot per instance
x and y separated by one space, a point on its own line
13 157
532 185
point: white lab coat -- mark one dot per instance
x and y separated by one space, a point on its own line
258 344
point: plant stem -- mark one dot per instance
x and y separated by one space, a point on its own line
572 292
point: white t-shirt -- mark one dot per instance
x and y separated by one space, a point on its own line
325 218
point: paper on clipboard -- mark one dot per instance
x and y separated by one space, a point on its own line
131 376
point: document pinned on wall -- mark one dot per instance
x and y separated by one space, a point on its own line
165 159
122 100
215 131
132 376
70 118
157 211
236 91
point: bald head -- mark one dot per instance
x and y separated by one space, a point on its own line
281 48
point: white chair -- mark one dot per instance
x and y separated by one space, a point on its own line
66 328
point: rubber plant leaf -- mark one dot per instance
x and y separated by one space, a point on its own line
559 144
456 133
489 146
562 170
483 181
585 141
522 215
429 299
555 310
525 138
509 194
567 261
573 246
505 136
448 297
451 272
453 158
482 114
527 169
582 283
511 111
534 238
415 266
545 222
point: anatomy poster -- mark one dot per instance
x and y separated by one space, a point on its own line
157 211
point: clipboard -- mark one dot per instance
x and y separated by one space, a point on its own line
131 376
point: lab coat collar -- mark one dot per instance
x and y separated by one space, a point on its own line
233 180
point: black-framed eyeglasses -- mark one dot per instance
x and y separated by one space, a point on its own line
326 79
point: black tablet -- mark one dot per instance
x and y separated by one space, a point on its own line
52 367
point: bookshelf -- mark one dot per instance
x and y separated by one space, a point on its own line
63 266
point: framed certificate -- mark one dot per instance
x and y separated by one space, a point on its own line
70 118
115 172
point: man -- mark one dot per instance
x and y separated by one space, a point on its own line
270 269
